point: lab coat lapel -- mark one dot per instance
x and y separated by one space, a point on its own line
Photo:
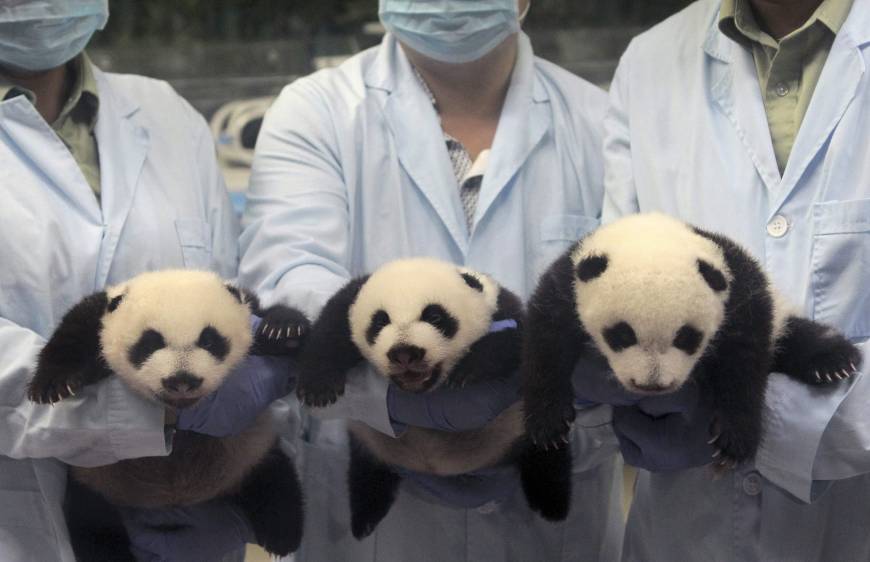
123 145
419 139
29 134
734 88
835 91
525 117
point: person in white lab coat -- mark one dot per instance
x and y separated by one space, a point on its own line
102 177
451 140
751 118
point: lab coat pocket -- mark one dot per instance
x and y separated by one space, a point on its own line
557 233
194 237
841 266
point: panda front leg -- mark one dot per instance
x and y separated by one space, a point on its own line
372 487
494 356
546 480
72 358
281 331
271 497
814 353
736 385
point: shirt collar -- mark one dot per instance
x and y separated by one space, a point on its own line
83 102
737 21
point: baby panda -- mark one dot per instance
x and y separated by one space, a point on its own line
663 302
172 337
423 324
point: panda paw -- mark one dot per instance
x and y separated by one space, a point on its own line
836 361
548 426
281 332
48 388
731 448
319 392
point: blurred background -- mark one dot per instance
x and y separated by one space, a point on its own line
229 58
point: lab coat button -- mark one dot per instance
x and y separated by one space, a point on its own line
752 484
778 226
781 89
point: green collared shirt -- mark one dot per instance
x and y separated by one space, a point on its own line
77 119
788 69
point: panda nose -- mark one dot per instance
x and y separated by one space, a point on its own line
405 355
182 381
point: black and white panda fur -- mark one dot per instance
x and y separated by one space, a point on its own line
663 302
423 324
172 336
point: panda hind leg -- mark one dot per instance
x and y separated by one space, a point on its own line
814 353
372 486
546 480
271 498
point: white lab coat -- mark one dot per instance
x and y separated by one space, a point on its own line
351 171
687 135
163 205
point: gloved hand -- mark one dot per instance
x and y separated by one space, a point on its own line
452 409
247 391
594 384
669 432
468 491
206 531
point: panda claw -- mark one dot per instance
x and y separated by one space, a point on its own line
828 376
853 367
713 439
565 439
716 454
70 390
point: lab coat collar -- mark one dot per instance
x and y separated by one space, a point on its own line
123 144
418 132
734 87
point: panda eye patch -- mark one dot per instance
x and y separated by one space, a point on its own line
149 342
688 339
591 267
212 341
436 315
380 320
620 336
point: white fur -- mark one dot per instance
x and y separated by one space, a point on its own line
652 283
178 304
403 289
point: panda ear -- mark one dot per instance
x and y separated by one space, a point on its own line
113 304
591 267
472 282
712 276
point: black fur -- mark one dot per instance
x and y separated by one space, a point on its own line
620 336
555 340
732 373
372 488
271 494
380 320
688 339
271 497
591 268
282 330
72 358
329 351
473 282
149 342
436 315
212 341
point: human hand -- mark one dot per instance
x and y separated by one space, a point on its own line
668 432
246 392
452 409
594 384
206 531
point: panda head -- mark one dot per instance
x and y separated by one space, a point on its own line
174 335
414 319
651 293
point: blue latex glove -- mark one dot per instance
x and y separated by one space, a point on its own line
594 384
206 531
247 391
468 491
668 432
451 409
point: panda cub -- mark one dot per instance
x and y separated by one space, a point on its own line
172 337
662 301
423 324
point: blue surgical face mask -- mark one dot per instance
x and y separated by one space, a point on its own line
452 31
33 41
